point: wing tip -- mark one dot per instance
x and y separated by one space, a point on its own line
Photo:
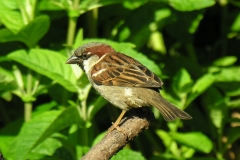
183 115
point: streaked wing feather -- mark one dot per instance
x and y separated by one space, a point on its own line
117 69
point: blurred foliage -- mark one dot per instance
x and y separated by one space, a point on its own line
49 110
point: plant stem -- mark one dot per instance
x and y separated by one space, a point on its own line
27 111
85 135
191 51
72 23
29 82
92 22
220 146
18 75
84 110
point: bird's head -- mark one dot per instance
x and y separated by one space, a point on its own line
88 54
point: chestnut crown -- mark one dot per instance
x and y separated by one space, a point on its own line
87 50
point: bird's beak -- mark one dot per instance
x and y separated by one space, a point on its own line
73 60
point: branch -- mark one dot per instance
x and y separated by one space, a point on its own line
136 121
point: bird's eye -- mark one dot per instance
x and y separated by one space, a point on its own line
85 55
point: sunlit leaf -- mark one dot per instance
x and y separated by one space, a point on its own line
48 63
96 106
216 105
201 85
197 140
229 74
182 82
47 148
236 24
43 108
187 24
7 84
39 128
10 16
8 133
128 154
225 61
29 34
234 103
233 135
190 5
35 30
88 5
202 158
168 142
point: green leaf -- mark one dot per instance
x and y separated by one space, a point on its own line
96 106
34 31
229 74
48 63
202 158
49 5
39 128
28 9
217 115
78 39
230 88
182 82
156 16
48 147
133 4
233 135
66 144
89 5
216 104
225 61
11 16
190 5
127 154
7 84
236 24
168 142
43 108
234 103
84 86
201 85
7 35
187 152
8 133
29 34
187 24
196 140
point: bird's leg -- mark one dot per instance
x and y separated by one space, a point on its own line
115 125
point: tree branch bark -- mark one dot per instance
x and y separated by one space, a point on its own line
135 121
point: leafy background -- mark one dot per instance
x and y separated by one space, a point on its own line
48 110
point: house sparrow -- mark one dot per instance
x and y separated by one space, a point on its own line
122 80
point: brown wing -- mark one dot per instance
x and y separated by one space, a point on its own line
120 70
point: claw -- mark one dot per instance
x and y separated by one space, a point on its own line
116 124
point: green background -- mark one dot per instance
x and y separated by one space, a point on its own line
48 109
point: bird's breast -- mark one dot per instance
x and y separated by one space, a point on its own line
123 97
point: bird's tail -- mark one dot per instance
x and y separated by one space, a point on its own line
168 110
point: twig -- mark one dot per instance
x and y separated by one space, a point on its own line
136 121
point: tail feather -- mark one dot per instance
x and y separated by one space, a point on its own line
168 110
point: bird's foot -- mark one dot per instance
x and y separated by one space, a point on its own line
115 126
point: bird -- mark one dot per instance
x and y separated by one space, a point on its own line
123 81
